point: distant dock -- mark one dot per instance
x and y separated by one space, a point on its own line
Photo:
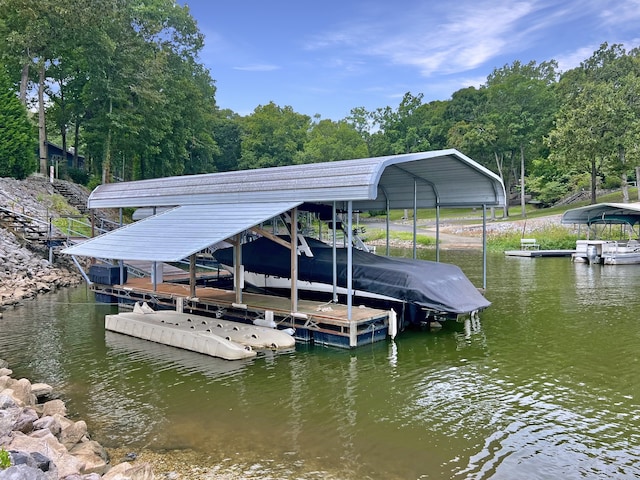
539 253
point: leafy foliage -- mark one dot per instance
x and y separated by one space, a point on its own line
273 136
17 144
328 141
5 460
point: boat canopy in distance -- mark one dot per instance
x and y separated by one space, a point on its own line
445 178
603 213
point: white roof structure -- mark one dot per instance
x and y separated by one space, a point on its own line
177 233
214 207
444 178
603 213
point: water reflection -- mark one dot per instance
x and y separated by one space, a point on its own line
543 385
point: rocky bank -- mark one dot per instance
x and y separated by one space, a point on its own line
25 271
39 442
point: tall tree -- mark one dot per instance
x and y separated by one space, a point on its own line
402 130
596 128
329 141
521 104
227 129
273 136
30 29
17 136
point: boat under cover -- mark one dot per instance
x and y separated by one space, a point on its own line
422 287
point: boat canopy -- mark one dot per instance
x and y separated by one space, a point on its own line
178 233
604 213
442 178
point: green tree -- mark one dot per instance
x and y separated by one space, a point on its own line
29 28
596 128
521 103
466 129
145 92
362 121
17 140
329 141
402 130
434 125
227 130
273 136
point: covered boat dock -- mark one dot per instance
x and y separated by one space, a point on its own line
612 230
201 212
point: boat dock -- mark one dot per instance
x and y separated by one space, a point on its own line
185 217
539 253
314 322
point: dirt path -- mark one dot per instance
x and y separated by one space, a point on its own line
458 235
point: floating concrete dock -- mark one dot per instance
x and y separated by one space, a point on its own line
141 326
215 337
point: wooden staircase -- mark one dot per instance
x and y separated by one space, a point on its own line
28 229
71 196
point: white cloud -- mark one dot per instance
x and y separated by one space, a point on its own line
573 59
257 68
455 39
627 11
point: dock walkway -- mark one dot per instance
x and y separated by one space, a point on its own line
539 253
314 322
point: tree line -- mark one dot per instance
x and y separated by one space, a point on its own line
121 82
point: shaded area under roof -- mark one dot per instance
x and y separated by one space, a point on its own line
444 178
603 213
178 233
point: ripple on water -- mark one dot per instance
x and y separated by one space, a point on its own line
541 431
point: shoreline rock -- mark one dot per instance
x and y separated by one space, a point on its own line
25 272
43 444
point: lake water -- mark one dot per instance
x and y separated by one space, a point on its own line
545 385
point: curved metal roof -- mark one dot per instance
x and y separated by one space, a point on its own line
604 213
444 178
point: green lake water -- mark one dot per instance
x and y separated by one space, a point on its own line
545 385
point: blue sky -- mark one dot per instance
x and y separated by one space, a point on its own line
329 57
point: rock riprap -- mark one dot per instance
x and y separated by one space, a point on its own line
44 444
25 273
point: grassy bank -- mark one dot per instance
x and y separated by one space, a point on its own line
398 237
553 237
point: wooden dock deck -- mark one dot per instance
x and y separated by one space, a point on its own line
314 322
539 253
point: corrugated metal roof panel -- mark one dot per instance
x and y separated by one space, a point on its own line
444 177
174 235
600 211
